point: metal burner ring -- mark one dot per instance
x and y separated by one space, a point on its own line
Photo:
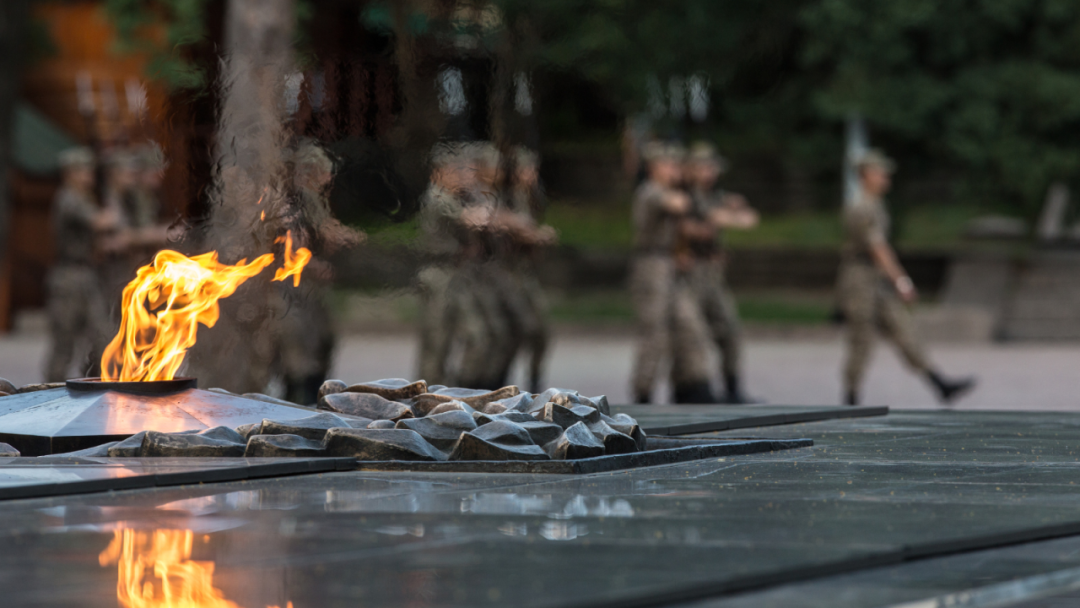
157 387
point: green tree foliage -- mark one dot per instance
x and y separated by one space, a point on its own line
989 86
984 90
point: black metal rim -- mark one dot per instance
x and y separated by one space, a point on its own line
158 387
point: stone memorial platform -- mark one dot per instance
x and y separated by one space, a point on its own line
943 508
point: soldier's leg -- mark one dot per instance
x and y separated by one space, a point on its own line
858 301
475 332
899 327
66 322
538 335
435 328
722 315
651 284
515 313
689 347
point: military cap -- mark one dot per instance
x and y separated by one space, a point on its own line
875 157
703 151
659 150
76 157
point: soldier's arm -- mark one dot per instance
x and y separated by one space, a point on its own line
734 213
885 259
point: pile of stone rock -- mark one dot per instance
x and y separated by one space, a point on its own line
397 419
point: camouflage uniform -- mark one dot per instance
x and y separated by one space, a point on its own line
714 298
652 283
532 308
76 307
440 212
866 296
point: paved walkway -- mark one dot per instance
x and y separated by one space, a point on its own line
796 371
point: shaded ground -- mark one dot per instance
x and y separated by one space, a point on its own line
802 369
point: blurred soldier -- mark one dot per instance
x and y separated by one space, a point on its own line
527 202
657 209
305 331
143 203
873 288
117 265
76 307
443 236
701 261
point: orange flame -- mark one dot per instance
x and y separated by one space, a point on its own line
155 570
162 308
293 263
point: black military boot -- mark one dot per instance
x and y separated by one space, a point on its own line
851 398
949 389
642 398
697 393
734 394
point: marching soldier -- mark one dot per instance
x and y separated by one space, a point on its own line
306 338
701 261
527 202
76 306
874 289
658 206
443 238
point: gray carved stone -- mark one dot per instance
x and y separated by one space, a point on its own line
482 400
614 441
331 387
561 396
494 408
391 388
517 403
8 451
518 417
365 405
634 432
128 448
380 444
542 432
601 404
503 432
283 446
7 387
247 430
312 427
471 447
576 442
213 442
423 404
382 424
440 430
132 446
565 416
451 406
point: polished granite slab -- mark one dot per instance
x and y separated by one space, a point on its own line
58 475
873 493
690 419
670 451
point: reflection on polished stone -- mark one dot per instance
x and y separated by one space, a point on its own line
869 490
